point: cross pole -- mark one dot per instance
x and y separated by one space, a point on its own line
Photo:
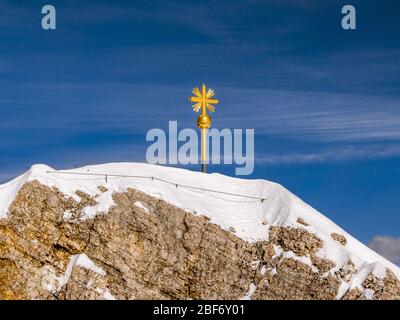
204 102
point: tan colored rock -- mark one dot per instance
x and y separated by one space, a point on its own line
387 288
339 238
298 240
347 271
294 280
354 294
165 253
301 221
324 265
102 189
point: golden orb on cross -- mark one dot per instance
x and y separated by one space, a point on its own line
203 100
204 121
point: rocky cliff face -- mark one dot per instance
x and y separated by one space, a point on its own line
146 248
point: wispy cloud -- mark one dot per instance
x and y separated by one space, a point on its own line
388 247
333 154
312 116
302 115
127 78
347 126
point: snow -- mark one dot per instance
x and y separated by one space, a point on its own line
54 283
84 261
369 294
63 280
254 264
263 270
278 251
377 268
8 192
141 206
105 293
273 271
249 293
49 280
303 259
247 216
67 215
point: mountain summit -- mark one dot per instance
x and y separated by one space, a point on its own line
139 231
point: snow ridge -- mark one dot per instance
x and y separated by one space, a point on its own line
250 218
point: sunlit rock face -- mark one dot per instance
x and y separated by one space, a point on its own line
146 248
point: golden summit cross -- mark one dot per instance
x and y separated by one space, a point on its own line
204 101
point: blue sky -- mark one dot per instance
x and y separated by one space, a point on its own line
324 102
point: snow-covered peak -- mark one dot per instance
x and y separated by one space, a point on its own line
250 218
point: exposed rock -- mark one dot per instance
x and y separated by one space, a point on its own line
339 238
387 288
102 189
165 253
324 265
301 221
84 284
295 280
354 294
346 272
298 240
